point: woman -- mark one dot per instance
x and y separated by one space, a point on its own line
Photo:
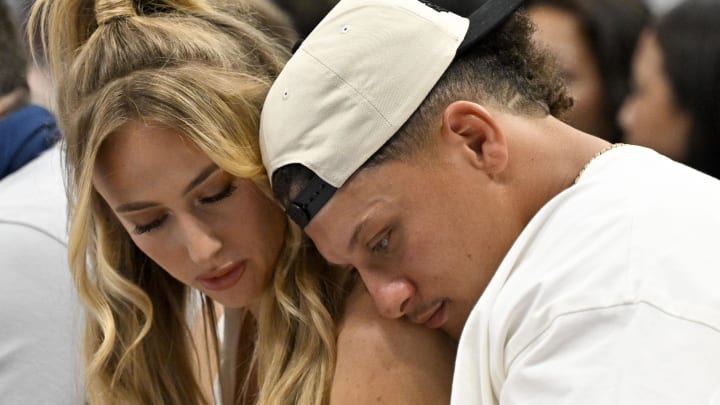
593 41
159 104
673 107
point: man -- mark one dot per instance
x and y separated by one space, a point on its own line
421 148
26 130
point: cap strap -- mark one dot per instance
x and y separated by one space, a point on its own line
311 199
485 19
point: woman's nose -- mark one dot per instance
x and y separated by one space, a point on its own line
202 243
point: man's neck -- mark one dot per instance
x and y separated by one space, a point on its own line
553 154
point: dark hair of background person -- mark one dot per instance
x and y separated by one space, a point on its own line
13 67
611 28
306 14
689 39
459 7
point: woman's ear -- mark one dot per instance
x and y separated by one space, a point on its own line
473 131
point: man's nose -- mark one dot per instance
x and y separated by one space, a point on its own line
391 294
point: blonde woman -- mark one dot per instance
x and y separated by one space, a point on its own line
159 104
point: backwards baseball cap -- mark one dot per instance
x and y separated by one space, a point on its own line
359 75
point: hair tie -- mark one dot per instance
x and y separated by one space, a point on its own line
110 10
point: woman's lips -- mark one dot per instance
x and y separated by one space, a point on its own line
223 278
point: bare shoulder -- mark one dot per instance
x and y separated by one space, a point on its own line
384 361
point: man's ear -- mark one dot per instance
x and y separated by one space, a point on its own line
474 130
472 127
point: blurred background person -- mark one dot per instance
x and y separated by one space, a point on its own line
38 78
674 106
40 359
39 310
26 129
593 42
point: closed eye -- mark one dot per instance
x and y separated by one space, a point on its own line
227 192
141 229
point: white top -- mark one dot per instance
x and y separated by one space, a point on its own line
610 295
40 317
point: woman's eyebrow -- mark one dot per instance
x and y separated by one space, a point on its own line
204 174
140 205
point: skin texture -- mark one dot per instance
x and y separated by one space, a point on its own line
218 223
561 33
427 234
649 116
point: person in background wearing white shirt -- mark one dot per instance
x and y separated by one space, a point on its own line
40 361
420 148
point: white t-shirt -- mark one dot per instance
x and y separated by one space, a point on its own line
40 317
610 295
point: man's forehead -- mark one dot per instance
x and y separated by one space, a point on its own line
364 195
347 207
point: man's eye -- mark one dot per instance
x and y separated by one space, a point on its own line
382 245
227 192
141 229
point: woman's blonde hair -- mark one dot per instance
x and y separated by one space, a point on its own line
186 65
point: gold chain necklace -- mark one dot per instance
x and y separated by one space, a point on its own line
605 149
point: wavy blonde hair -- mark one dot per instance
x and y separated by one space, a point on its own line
186 65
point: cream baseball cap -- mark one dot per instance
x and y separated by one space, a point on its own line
355 80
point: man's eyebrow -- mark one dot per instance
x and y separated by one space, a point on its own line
356 235
204 174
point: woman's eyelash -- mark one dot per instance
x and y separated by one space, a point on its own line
219 196
141 229
227 192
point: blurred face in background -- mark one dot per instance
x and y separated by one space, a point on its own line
649 115
560 32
